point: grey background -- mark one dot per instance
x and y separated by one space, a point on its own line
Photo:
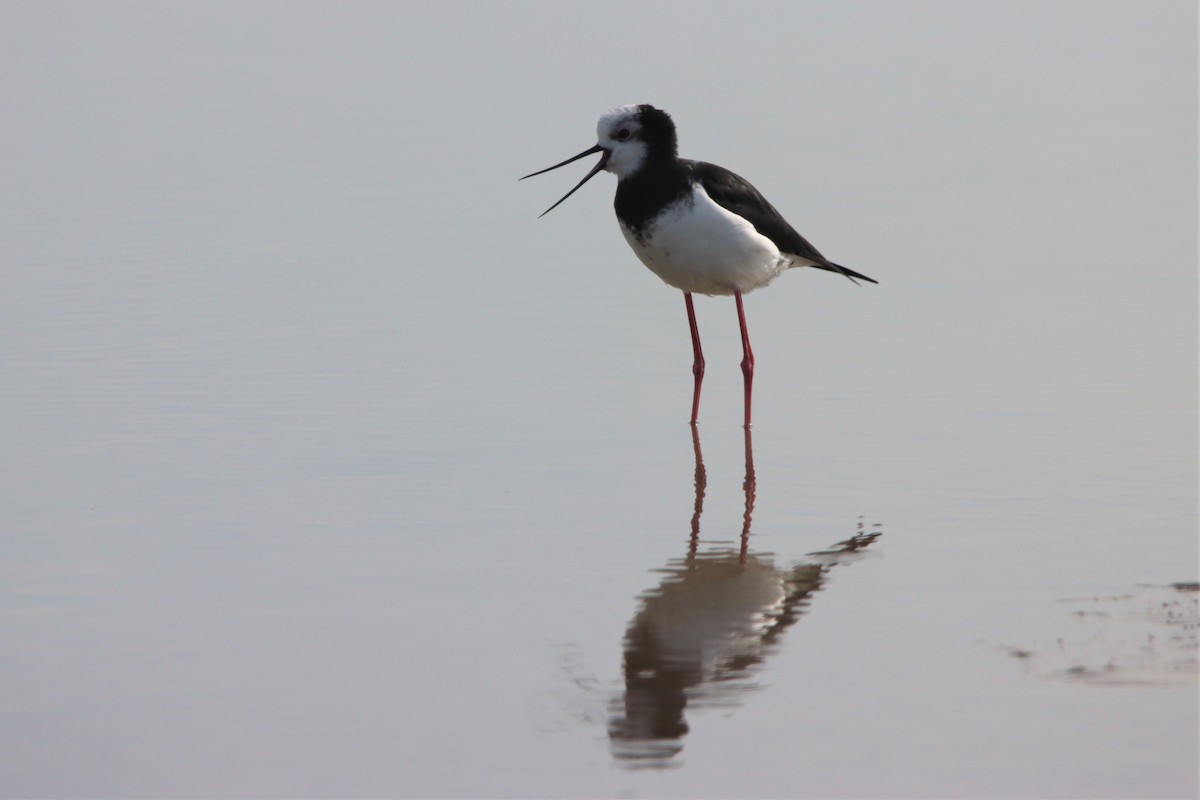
330 470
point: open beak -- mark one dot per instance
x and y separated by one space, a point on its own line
599 166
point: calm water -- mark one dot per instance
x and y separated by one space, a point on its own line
330 470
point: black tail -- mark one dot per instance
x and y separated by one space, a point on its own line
849 273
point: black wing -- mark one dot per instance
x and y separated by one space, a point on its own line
734 193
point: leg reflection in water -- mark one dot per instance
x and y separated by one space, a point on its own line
701 635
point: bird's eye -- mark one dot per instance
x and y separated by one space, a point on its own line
622 134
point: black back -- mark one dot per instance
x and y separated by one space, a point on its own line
664 179
734 193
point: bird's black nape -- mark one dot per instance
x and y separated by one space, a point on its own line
658 130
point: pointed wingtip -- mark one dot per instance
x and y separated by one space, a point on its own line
856 277
852 276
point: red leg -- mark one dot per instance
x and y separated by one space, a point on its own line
697 356
747 354
701 483
750 486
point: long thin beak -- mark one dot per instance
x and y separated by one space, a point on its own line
599 166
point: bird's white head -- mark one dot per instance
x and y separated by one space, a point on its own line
628 137
631 134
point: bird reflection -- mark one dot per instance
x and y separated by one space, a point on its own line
701 635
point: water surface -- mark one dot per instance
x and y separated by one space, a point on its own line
330 470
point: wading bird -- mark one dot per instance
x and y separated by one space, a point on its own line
699 227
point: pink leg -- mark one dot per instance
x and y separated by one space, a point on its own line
750 486
747 354
697 354
701 483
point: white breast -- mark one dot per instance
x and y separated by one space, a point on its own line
697 246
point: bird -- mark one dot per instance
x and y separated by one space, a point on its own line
699 227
